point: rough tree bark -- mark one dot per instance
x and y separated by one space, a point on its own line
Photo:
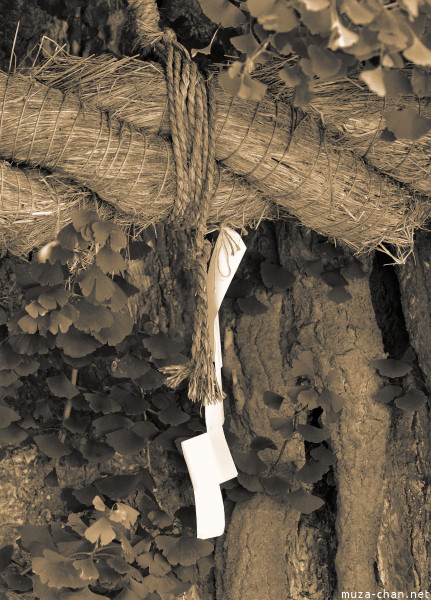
374 529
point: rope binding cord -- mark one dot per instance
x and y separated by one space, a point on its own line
192 117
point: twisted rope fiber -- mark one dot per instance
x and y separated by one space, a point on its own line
367 207
192 120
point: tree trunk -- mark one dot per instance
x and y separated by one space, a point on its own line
373 531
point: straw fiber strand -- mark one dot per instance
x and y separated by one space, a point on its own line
34 206
287 156
129 169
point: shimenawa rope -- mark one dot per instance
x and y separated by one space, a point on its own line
192 119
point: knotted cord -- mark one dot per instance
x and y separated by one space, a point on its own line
192 118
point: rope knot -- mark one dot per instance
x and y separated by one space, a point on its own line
169 36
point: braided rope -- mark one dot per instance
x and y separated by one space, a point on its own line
192 117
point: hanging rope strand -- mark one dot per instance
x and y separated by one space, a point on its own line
192 118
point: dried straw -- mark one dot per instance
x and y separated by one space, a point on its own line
354 119
287 156
35 205
130 169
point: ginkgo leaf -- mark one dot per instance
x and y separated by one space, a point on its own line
77 423
389 367
421 83
329 399
418 53
7 416
274 485
252 306
51 480
138 250
407 124
412 400
93 281
325 64
12 435
360 13
131 404
92 317
84 594
245 43
112 422
260 443
168 586
76 343
86 494
121 327
323 455
272 400
86 569
53 296
47 274
124 514
303 501
28 324
160 518
6 553
239 494
284 425
58 322
341 37
303 365
387 393
151 380
145 429
126 442
311 472
100 402
313 434
205 564
106 229
8 358
334 278
274 16
251 483
61 386
82 218
184 550
396 83
18 582
187 573
102 531
129 366
223 13
56 570
250 463
117 486
54 251
7 377
161 346
97 452
375 80
110 261
239 288
276 277
173 416
50 445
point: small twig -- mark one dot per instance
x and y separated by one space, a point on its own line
68 405
275 465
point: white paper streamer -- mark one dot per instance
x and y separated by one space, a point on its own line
208 457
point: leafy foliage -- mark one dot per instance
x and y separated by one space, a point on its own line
320 41
104 549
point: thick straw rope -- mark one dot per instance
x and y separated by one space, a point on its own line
289 159
192 121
